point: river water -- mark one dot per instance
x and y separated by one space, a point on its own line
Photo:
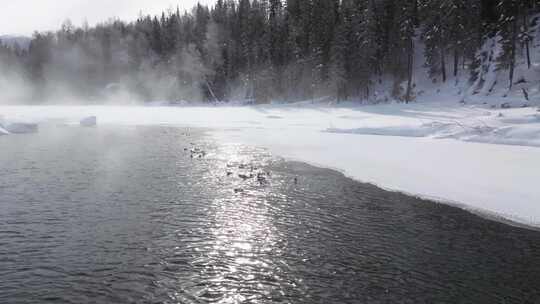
166 215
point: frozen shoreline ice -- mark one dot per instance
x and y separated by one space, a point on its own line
481 159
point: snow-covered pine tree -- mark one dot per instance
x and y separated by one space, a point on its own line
509 31
436 35
405 19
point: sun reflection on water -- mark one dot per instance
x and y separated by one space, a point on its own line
245 237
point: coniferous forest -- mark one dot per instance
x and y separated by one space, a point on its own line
264 50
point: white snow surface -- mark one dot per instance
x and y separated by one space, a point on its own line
481 159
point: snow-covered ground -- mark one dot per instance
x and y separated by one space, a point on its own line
435 150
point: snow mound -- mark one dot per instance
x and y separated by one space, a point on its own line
22 128
2 123
90 121
404 131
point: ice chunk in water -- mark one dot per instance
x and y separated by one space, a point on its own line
2 123
90 121
22 128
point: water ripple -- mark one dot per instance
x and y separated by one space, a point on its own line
162 215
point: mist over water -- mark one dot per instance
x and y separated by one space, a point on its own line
105 65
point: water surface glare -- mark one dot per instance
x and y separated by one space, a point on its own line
164 215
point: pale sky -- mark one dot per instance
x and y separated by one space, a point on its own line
23 17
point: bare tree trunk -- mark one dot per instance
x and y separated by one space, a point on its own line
443 65
415 11
513 52
410 62
525 94
528 54
367 92
526 30
211 91
456 61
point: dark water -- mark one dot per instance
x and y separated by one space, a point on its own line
128 216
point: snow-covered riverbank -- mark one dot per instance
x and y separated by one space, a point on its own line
483 159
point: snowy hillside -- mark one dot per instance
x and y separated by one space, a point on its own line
489 86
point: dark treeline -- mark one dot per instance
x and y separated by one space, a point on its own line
262 50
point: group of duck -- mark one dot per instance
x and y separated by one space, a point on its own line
244 172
